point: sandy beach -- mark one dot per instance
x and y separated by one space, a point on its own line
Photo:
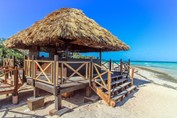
154 98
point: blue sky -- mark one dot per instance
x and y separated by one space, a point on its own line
148 26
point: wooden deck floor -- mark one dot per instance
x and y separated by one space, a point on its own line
70 85
6 88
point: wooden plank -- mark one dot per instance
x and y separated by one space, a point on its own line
104 84
35 103
132 76
43 71
79 62
15 82
74 88
41 85
59 112
101 85
74 70
88 92
109 86
72 83
57 94
61 73
58 101
101 75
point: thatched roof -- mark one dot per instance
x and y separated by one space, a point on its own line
67 26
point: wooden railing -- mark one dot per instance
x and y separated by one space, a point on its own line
110 64
12 76
105 64
40 73
58 72
8 62
123 67
103 78
74 70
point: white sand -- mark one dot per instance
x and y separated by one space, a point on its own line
150 101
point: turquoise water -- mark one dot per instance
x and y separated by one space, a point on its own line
169 68
163 65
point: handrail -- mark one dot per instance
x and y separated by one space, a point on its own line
121 67
75 70
104 83
12 71
48 68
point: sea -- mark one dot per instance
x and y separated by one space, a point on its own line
169 68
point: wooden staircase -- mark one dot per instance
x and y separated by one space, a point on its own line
112 87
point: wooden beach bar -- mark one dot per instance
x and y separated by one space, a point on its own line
61 34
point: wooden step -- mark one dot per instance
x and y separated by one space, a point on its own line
105 78
119 81
119 87
123 93
116 76
116 82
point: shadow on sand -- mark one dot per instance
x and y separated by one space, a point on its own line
139 83
6 106
77 100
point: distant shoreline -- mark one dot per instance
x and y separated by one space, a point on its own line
159 74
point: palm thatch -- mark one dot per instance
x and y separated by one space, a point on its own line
67 26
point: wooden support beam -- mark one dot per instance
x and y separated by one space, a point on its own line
100 57
6 76
109 86
35 90
91 72
128 74
56 89
88 91
13 61
132 76
58 102
121 66
15 92
110 63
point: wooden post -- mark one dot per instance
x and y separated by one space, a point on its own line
109 86
6 74
91 72
15 81
100 57
88 91
87 70
132 76
15 92
121 66
128 74
35 90
13 61
110 63
24 69
61 73
56 90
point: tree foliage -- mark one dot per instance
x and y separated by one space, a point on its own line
5 52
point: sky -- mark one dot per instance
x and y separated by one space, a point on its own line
149 27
